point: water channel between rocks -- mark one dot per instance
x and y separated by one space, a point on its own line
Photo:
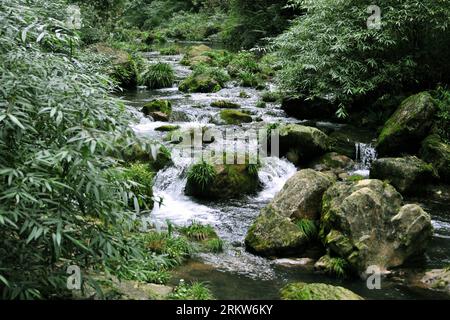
235 273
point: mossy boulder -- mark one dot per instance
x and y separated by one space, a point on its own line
202 83
301 196
196 55
332 161
124 67
317 291
235 117
275 231
408 126
160 110
364 223
275 235
435 151
221 181
302 144
224 104
408 175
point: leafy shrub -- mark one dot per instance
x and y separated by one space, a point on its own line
159 75
250 22
442 124
218 74
176 249
270 96
194 291
215 245
170 51
198 232
331 53
191 26
202 174
243 61
337 267
140 178
63 199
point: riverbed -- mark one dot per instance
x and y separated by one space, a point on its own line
235 273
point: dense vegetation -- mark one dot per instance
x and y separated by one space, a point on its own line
74 178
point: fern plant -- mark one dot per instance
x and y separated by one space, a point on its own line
202 175
157 76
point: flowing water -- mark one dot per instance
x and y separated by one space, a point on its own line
235 273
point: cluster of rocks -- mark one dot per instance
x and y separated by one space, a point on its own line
363 222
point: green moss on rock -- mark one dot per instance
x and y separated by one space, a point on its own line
235 117
163 106
302 143
274 235
408 175
404 131
224 104
317 291
228 181
200 83
435 151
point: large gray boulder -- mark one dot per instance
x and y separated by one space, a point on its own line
365 223
301 196
275 235
275 231
408 126
408 175
435 151
302 144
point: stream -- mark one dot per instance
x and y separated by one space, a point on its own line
235 273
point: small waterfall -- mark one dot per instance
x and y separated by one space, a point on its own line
365 155
273 175
176 206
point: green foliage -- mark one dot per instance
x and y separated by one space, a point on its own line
270 96
250 22
216 73
140 179
337 267
174 249
170 51
309 228
215 245
202 175
442 123
63 201
243 62
331 53
261 104
198 232
192 26
253 168
126 74
194 291
150 257
158 75
355 178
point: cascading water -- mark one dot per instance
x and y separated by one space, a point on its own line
235 273
365 155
